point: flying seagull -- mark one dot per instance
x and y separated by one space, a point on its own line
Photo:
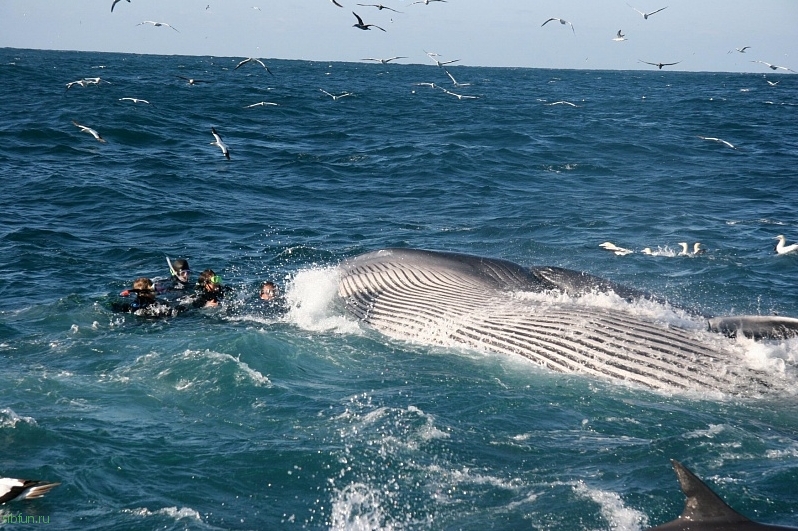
775 67
248 59
362 26
784 249
218 142
384 61
561 21
134 100
660 65
454 81
339 96
116 2
619 37
426 2
89 130
432 56
23 489
563 103
192 81
157 24
719 140
378 6
742 50
260 104
459 96
646 15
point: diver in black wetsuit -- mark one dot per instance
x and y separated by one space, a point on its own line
210 290
146 304
178 280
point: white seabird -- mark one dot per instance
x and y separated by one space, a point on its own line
426 2
772 83
646 15
697 249
260 104
561 21
433 55
776 67
134 100
157 24
454 81
619 251
339 96
362 26
89 130
23 489
383 61
192 81
458 96
563 103
719 140
784 249
249 59
218 142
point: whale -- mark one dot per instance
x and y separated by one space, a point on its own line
706 511
489 304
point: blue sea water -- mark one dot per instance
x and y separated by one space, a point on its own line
237 418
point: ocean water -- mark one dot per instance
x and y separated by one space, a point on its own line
238 418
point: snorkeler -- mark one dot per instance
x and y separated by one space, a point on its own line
146 304
210 290
179 272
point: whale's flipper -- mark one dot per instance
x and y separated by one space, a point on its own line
705 511
755 326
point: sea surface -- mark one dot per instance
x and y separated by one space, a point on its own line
238 417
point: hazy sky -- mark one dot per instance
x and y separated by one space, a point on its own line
698 33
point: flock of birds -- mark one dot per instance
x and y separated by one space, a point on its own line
781 248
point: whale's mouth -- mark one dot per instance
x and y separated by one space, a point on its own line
460 300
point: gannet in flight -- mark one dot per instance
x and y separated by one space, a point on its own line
384 61
646 15
454 81
775 67
561 21
249 59
660 65
378 6
712 138
23 489
218 142
157 24
134 100
362 26
89 130
339 96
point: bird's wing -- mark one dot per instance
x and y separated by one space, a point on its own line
359 20
245 61
658 10
548 21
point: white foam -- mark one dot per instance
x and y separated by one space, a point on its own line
311 296
612 508
358 507
9 419
173 512
256 377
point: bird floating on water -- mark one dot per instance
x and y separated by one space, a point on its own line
362 26
781 248
158 24
192 81
561 21
619 37
719 140
646 15
23 489
696 249
384 61
380 7
619 251
218 142
660 65
775 67
337 97
92 132
250 59
116 2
